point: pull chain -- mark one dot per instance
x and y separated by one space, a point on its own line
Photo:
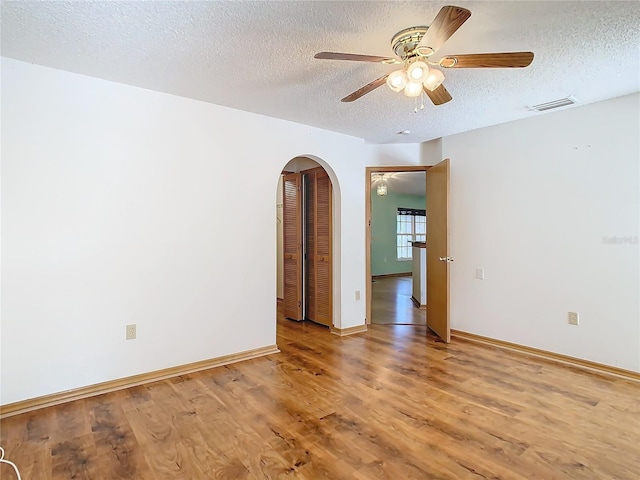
415 109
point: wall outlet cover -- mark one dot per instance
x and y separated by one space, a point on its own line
131 332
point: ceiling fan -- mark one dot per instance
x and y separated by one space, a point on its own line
415 45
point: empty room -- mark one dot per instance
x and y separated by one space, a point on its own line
211 267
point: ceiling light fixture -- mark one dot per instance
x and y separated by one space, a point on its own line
382 187
416 76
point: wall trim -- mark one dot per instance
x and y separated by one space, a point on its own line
50 400
343 332
547 355
389 275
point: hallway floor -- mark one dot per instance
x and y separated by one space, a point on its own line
391 302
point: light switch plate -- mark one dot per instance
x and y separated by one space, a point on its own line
574 318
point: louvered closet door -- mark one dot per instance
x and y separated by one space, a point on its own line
310 245
319 251
292 239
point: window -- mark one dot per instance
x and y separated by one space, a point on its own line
411 226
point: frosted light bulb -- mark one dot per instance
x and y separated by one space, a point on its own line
397 80
434 79
418 71
413 89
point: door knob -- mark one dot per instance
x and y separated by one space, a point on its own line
446 259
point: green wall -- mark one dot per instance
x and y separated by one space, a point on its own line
383 231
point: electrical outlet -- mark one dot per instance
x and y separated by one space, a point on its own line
131 332
357 294
574 318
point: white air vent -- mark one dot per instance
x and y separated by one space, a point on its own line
563 102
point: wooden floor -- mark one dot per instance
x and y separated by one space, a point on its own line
392 403
391 302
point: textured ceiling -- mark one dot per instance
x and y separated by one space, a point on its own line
258 56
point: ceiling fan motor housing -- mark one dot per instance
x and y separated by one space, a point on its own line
405 43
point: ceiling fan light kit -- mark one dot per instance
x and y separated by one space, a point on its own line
413 89
415 45
397 80
434 79
415 77
417 70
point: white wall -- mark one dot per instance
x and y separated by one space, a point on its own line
533 202
431 152
122 205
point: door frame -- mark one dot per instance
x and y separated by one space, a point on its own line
368 172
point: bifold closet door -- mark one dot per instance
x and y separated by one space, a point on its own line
318 247
292 244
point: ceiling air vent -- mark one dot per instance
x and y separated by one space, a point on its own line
563 102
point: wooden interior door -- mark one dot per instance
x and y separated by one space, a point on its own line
438 250
292 243
318 271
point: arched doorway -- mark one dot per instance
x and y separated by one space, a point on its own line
305 244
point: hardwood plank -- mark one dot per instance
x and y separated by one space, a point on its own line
115 443
75 459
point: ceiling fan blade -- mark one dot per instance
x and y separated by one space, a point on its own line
448 20
366 89
354 57
439 96
488 60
